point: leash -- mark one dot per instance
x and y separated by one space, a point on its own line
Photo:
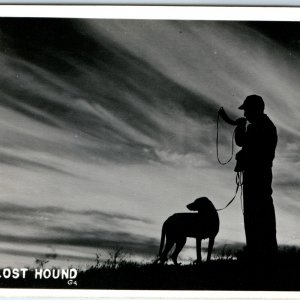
239 175
217 144
239 183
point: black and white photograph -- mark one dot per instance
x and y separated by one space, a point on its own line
149 154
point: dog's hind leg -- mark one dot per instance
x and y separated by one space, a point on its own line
210 247
168 247
179 245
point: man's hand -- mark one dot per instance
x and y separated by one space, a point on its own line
225 117
222 112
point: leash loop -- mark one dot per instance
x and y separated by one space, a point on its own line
217 144
239 175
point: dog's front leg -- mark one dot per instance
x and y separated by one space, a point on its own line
210 247
198 250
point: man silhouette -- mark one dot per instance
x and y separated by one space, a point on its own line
258 141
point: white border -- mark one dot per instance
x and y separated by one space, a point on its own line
154 13
145 294
160 2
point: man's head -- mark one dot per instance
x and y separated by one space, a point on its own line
253 107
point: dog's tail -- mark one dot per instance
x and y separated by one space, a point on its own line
162 240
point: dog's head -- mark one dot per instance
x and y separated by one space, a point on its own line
200 204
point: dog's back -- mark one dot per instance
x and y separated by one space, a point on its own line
196 225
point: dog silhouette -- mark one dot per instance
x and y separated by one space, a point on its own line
201 225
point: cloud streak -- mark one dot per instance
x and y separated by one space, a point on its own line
91 239
10 210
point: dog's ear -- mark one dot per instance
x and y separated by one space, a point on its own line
202 200
199 204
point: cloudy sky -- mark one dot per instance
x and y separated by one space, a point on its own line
109 126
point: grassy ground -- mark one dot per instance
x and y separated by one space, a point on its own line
220 274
